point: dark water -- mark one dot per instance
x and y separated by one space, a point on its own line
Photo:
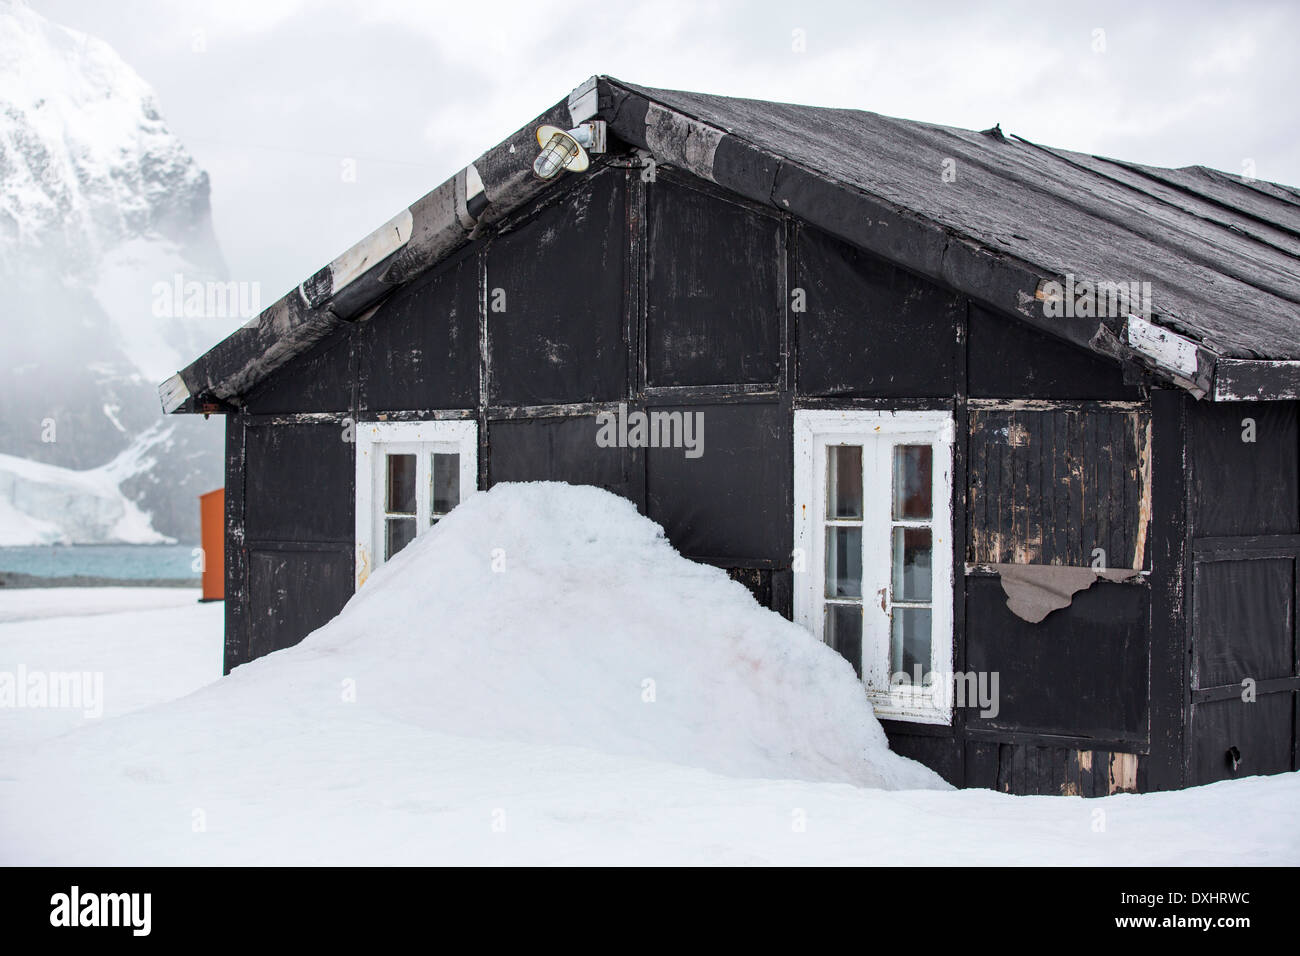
122 561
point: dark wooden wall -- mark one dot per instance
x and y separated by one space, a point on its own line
289 513
671 295
1244 674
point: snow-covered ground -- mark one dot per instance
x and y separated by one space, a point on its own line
149 644
484 700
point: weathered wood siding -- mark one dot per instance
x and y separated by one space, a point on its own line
714 287
1244 676
668 295
1011 360
1063 771
1082 672
870 329
1058 485
554 301
289 516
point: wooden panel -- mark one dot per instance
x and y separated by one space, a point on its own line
1256 380
563 449
235 651
1009 359
757 581
770 587
1050 485
1259 732
981 759
734 500
1244 627
1244 487
555 301
1169 581
870 329
1244 621
420 350
319 381
293 592
1027 769
714 291
1082 671
941 753
299 483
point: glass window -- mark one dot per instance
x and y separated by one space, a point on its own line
400 496
912 481
844 481
398 533
911 565
409 475
444 471
843 632
843 562
911 562
909 644
878 582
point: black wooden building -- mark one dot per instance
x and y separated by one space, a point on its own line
944 378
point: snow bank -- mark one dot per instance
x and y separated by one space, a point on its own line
548 613
276 766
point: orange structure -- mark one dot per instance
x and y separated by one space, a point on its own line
212 524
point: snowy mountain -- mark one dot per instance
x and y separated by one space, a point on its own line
101 207
46 504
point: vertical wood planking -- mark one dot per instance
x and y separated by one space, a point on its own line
484 369
1050 485
236 609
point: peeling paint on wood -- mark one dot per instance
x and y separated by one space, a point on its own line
1027 770
1143 440
1123 773
1059 484
1256 380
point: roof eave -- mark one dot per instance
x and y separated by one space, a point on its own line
997 279
501 181
419 236
1256 380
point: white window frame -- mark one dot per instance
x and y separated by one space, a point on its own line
814 432
373 440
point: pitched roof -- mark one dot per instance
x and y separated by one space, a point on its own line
1015 225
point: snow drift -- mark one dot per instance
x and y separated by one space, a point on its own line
334 752
547 613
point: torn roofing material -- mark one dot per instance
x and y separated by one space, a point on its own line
1036 590
996 218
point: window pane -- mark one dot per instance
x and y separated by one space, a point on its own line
844 481
912 564
912 482
398 533
909 642
446 483
400 496
843 562
844 632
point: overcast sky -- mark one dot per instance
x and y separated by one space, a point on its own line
273 96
